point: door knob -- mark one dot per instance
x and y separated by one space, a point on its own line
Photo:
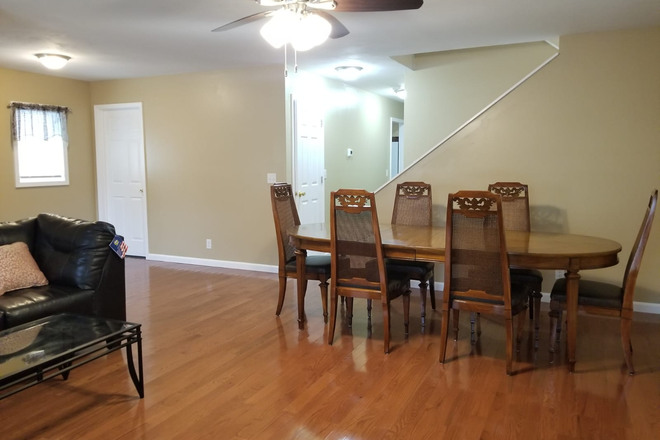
300 194
141 190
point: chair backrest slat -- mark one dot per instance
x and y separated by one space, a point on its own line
356 247
412 204
515 204
476 261
285 215
637 252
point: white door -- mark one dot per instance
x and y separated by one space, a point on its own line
309 162
120 171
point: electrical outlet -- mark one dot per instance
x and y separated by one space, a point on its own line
209 243
559 274
271 178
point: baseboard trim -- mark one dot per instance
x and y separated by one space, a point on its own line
213 263
643 307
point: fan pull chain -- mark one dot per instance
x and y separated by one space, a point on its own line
295 60
286 73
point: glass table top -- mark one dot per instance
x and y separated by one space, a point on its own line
33 344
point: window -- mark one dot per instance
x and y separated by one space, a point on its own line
40 142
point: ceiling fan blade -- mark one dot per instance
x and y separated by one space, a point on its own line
338 29
242 21
377 5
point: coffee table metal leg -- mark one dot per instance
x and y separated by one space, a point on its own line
138 378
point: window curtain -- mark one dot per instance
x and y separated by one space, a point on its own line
38 120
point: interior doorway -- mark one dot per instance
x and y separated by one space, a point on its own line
397 136
121 174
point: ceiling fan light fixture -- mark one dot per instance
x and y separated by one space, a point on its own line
312 31
277 31
348 73
302 31
52 61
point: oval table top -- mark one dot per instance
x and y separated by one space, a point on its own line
537 250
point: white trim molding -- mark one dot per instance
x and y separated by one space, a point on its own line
213 263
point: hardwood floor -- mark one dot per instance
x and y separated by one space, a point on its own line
220 365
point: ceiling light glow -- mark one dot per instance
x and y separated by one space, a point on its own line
302 30
52 61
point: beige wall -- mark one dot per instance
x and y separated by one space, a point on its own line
78 198
446 89
583 133
210 140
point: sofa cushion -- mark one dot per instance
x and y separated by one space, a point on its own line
25 305
72 252
18 269
21 230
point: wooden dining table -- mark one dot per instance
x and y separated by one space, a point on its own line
527 250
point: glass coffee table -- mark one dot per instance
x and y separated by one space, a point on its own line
40 350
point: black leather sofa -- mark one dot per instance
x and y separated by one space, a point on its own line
85 276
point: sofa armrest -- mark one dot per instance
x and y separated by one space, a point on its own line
109 299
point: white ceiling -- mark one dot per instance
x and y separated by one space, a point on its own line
129 38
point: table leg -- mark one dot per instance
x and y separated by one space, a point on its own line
138 378
301 254
572 283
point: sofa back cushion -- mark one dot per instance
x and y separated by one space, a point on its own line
21 230
72 252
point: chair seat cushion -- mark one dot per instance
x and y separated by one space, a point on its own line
313 264
590 293
417 270
519 296
526 276
25 305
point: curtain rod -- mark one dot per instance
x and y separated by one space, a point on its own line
68 110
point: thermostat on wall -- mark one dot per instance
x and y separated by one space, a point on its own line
349 152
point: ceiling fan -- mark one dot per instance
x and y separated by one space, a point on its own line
307 23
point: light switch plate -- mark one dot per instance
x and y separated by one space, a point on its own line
271 177
559 274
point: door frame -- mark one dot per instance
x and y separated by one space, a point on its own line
400 156
101 163
294 154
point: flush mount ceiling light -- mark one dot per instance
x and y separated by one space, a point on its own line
348 73
400 92
52 61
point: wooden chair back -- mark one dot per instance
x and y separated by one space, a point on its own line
476 260
515 204
412 204
637 252
355 243
285 215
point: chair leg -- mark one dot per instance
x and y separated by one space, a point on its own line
422 293
280 300
537 310
554 321
444 335
369 301
509 345
432 292
349 311
473 319
627 345
559 325
478 324
456 314
531 309
406 311
323 285
333 317
521 329
386 326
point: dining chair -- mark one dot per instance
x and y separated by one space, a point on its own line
358 266
477 277
317 267
515 211
412 207
604 299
